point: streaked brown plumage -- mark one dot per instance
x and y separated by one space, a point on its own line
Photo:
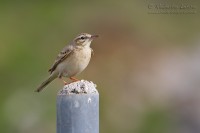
72 60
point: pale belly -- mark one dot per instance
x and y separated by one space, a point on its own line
75 63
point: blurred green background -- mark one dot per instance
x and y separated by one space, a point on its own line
146 66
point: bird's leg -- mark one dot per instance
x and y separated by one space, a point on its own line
64 82
74 79
60 77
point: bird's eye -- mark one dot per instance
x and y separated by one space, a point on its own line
82 38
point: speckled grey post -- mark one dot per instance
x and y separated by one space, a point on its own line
78 108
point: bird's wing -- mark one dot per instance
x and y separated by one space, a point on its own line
67 50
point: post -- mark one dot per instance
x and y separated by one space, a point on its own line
78 108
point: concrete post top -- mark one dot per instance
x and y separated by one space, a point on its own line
79 87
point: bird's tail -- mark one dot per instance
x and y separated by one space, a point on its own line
45 83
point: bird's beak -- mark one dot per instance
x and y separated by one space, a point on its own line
94 36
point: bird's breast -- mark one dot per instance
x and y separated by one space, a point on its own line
76 62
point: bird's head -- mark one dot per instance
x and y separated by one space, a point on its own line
84 39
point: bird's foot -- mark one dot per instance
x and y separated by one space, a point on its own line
65 83
74 79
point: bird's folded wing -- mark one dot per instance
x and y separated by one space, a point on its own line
67 50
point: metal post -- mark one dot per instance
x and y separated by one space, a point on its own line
78 108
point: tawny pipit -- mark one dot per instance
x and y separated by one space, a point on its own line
72 60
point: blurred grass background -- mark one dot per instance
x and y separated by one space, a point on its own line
146 66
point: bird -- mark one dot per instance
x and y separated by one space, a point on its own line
72 60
